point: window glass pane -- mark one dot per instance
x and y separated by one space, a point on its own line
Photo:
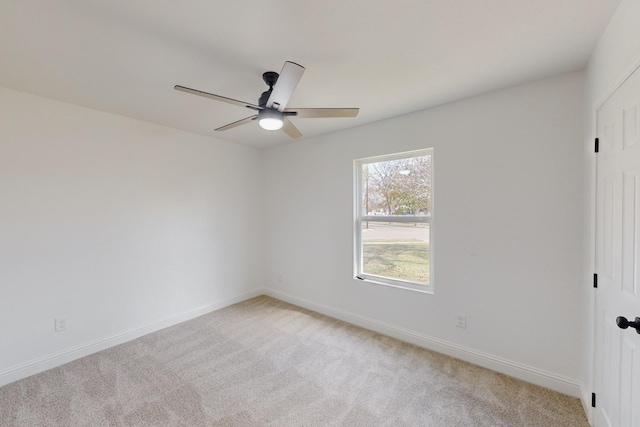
397 187
396 250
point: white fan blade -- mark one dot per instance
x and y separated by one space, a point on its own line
323 112
286 84
238 123
217 97
290 129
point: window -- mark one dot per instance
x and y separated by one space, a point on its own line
393 218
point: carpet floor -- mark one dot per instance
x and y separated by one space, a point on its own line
264 362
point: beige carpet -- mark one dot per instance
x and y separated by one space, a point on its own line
267 363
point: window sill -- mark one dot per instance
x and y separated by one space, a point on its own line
423 289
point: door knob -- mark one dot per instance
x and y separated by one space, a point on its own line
623 323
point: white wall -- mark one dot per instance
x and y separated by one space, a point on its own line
507 228
120 226
615 56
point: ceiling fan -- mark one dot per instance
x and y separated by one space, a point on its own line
271 111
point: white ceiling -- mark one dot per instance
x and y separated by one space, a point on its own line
386 57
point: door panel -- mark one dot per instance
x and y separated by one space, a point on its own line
617 351
628 387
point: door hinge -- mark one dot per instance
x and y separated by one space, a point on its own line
597 147
593 400
595 280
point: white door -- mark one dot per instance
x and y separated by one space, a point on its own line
617 351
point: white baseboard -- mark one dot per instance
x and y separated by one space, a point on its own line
585 399
44 363
508 367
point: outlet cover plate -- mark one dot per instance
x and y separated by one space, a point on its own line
61 324
461 321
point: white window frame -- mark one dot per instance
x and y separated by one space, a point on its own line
359 218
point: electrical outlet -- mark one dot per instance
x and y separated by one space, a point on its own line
461 321
61 324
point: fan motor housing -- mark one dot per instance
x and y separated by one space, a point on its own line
270 78
264 98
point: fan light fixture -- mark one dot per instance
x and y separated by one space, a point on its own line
270 119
